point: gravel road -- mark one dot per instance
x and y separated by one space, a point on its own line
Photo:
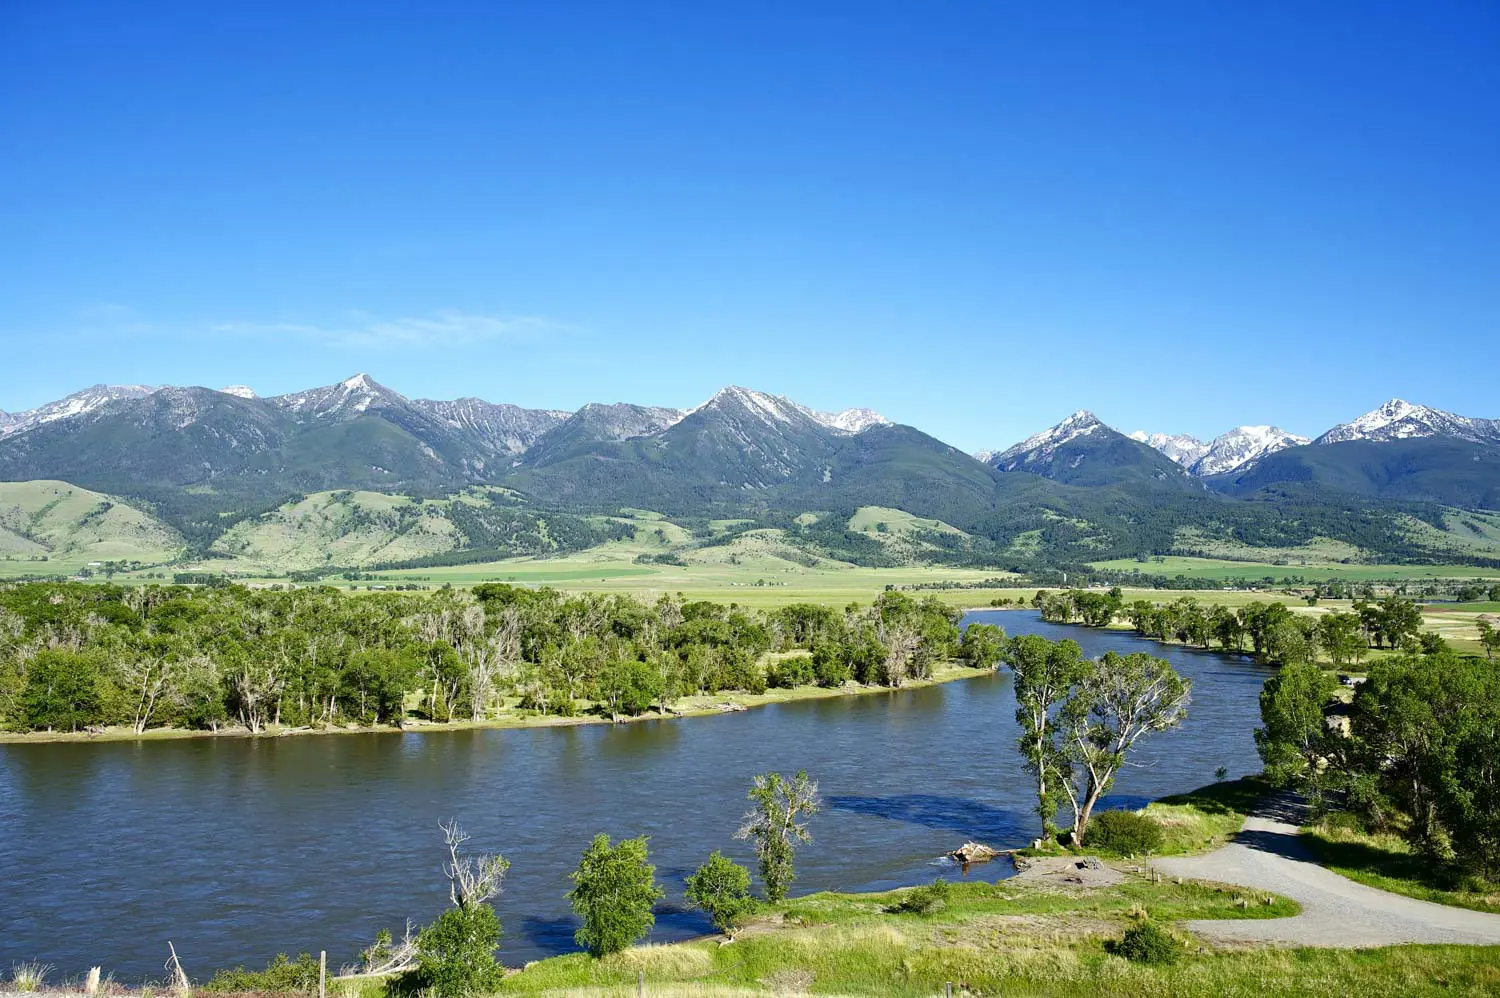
1337 912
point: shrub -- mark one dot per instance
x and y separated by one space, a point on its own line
456 953
1124 833
281 974
1147 942
922 900
721 887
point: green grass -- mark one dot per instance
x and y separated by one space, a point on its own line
1386 861
1010 938
1225 569
992 937
1207 817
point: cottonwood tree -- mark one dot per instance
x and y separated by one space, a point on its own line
983 646
614 889
1489 638
774 827
151 680
456 953
1119 699
256 687
721 887
1044 673
1293 737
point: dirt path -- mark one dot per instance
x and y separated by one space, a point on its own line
1336 912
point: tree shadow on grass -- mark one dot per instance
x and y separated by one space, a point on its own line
1227 797
965 816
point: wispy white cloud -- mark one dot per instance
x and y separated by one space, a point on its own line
360 330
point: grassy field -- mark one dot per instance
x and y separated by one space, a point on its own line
57 528
1224 569
751 582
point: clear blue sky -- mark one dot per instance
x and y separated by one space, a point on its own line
974 217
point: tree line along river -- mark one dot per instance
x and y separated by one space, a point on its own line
236 849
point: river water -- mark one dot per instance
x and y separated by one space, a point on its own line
236 849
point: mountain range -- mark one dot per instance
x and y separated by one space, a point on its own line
201 458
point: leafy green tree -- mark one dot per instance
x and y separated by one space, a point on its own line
62 691
982 646
1489 638
1338 634
614 889
629 686
1293 737
831 664
773 826
456 953
721 887
1043 673
1399 620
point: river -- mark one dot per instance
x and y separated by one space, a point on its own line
236 848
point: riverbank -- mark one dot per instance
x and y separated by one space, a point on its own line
1015 937
512 715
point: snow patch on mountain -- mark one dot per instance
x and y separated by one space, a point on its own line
1402 420
1041 446
78 404
240 391
850 420
1242 445
1180 447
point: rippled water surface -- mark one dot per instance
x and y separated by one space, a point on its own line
236 849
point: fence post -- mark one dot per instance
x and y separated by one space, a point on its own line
322 973
640 982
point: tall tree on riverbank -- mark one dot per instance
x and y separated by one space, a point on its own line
773 826
614 889
1293 738
1044 674
1118 700
456 953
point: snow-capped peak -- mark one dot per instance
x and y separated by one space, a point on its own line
1178 446
1401 420
1242 445
350 396
780 409
1041 446
240 391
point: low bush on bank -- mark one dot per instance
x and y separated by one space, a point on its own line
281 974
1124 833
922 900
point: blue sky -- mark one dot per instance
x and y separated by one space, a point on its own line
973 217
